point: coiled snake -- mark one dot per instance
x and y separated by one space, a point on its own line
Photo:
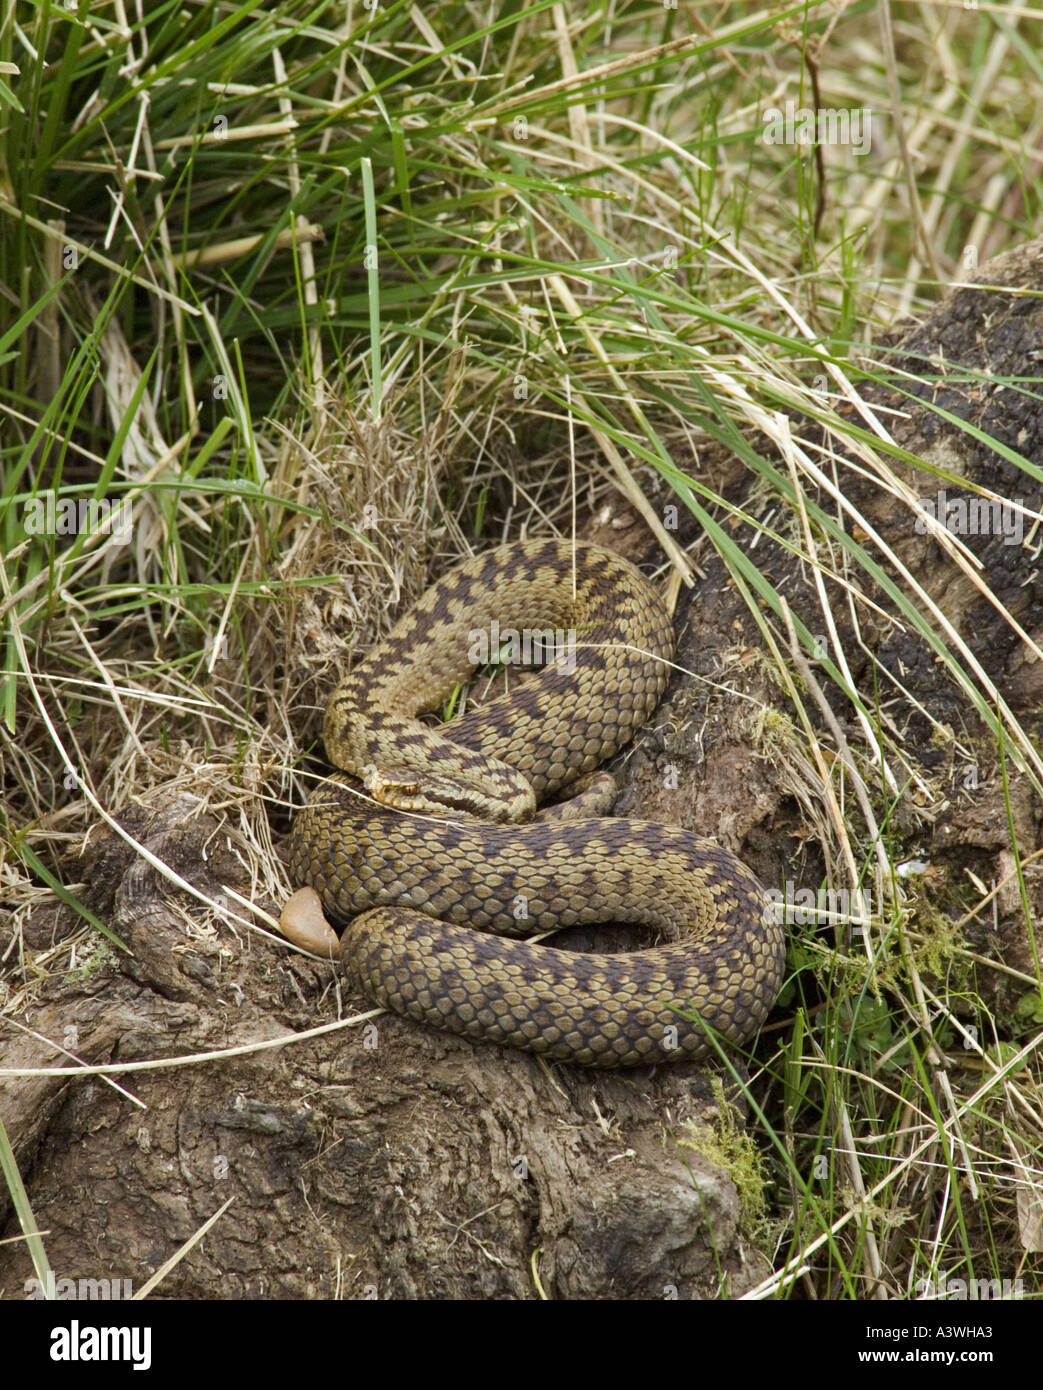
447 851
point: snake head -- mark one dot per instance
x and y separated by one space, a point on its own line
403 788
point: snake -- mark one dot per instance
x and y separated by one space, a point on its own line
440 847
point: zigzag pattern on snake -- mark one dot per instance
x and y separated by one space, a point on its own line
457 857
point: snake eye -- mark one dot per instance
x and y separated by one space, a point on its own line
386 782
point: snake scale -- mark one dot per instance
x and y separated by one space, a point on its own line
457 859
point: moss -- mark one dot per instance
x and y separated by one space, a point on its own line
727 1146
98 955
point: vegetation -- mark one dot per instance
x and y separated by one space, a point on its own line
307 298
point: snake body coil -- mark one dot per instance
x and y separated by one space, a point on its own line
414 888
